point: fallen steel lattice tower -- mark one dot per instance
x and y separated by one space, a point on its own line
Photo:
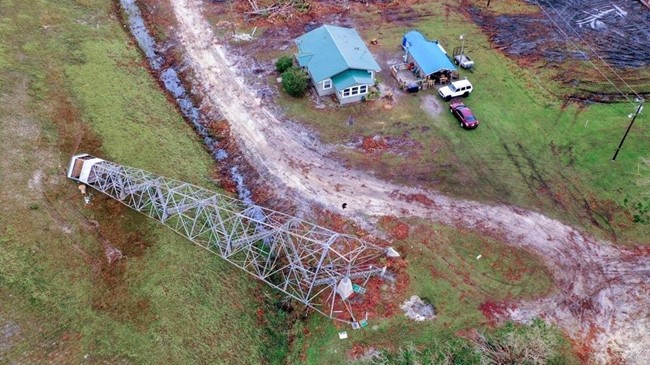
311 264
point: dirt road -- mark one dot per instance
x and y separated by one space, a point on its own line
604 296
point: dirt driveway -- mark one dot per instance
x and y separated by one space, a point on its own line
604 291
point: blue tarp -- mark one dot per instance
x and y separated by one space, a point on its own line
428 55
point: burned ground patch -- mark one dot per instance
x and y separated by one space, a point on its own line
617 30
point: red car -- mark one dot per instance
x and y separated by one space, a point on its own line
464 115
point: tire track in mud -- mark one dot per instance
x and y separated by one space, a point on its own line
603 298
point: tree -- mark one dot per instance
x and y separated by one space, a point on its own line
294 82
283 63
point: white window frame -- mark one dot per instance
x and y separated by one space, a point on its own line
327 84
354 91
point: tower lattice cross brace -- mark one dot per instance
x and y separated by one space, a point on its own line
305 261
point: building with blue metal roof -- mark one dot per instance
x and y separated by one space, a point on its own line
428 57
338 62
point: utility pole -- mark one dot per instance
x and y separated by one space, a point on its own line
638 110
462 47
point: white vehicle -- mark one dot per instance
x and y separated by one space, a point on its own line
456 89
463 61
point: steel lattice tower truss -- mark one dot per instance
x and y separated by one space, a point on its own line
309 263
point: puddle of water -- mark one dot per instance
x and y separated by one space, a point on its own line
141 34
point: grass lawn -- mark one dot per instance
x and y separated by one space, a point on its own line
71 80
531 148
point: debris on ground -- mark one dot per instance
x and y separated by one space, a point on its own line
379 144
617 30
418 310
112 253
245 37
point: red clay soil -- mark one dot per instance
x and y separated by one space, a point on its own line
396 145
397 230
374 144
494 311
419 198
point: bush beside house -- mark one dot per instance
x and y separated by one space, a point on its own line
294 82
283 63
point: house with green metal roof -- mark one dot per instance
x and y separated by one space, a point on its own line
338 62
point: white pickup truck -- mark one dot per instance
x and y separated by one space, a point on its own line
463 61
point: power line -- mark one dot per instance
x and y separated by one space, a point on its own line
593 50
638 97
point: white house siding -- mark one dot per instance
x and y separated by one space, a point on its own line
322 91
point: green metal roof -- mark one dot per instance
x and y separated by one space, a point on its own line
329 50
350 78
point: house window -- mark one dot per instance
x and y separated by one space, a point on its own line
355 90
327 84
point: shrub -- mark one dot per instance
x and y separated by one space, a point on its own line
283 63
294 82
536 343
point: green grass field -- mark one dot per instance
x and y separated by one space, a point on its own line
532 149
71 80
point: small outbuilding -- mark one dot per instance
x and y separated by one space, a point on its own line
427 59
338 62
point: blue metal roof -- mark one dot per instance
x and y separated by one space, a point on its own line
329 50
350 78
428 55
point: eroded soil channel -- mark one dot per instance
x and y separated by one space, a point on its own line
169 77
